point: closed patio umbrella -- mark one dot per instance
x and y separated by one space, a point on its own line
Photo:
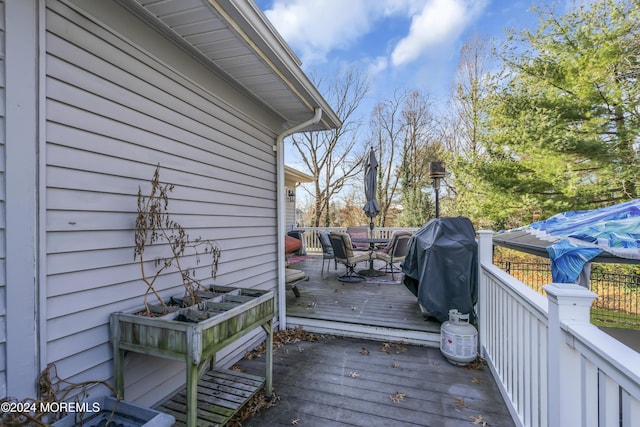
371 208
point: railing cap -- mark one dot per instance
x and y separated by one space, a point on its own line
566 292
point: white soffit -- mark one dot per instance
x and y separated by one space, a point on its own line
236 38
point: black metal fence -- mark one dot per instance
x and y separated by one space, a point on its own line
618 302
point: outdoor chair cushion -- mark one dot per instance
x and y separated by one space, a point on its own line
291 244
343 249
359 235
292 275
325 242
389 244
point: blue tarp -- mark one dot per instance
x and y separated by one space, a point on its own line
580 236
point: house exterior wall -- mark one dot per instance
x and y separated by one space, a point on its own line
292 180
290 206
291 215
121 99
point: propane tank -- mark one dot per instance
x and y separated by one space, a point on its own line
458 339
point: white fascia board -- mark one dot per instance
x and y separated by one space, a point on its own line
257 31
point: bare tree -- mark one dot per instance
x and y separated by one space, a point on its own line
387 127
333 157
465 126
420 146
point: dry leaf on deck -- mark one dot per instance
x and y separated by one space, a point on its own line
396 347
477 364
476 380
479 421
295 421
460 403
364 351
354 374
395 365
398 397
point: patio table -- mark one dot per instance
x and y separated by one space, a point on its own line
372 245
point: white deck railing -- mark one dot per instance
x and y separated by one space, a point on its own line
553 367
312 244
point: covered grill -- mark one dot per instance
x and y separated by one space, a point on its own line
441 267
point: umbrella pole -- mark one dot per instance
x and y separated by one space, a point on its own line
372 247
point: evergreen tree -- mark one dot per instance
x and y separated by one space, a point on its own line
564 123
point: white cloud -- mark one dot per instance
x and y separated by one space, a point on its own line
315 27
439 23
378 65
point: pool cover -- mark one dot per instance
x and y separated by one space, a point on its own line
441 267
574 238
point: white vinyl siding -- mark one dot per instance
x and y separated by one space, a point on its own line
3 277
114 111
290 214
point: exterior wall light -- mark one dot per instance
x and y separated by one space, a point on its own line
291 195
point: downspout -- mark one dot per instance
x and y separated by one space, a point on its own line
282 300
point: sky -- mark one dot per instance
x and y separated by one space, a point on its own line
399 44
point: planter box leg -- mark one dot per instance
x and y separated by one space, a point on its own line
192 394
118 359
268 328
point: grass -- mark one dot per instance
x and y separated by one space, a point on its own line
621 320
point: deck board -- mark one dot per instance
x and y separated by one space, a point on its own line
385 304
350 381
335 382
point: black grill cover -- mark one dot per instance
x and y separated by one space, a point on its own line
441 267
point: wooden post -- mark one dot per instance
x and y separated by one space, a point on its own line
568 304
118 356
192 394
269 361
193 375
485 256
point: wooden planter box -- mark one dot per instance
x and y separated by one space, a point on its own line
231 314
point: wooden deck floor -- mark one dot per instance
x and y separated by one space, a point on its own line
355 382
347 380
378 308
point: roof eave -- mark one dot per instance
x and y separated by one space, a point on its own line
249 54
251 24
296 175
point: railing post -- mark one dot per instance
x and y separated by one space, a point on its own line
485 255
568 303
